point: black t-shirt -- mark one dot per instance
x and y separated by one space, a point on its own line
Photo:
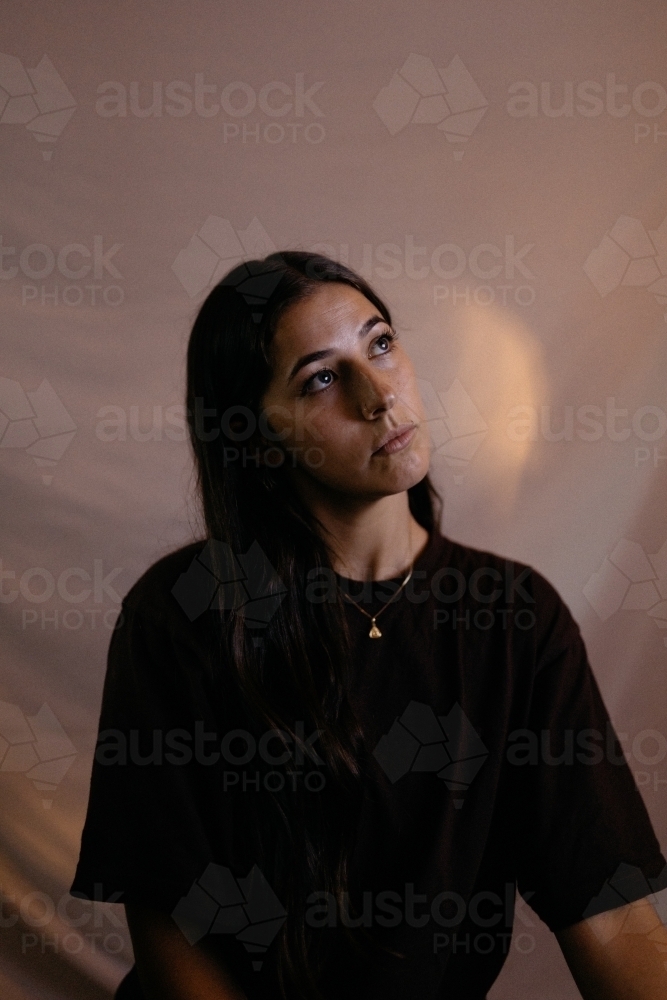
497 767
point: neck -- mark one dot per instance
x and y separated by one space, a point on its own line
374 539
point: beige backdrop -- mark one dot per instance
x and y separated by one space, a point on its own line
497 170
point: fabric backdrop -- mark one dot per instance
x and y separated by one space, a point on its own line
496 170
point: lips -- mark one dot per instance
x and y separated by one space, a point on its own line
395 439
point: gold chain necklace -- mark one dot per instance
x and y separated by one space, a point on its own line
375 632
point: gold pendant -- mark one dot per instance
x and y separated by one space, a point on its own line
375 632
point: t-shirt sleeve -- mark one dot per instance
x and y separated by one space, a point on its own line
155 817
585 840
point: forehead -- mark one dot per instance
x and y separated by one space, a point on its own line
328 316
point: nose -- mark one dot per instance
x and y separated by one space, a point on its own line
375 393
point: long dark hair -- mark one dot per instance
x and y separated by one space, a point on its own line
293 674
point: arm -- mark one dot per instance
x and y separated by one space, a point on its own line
620 954
169 968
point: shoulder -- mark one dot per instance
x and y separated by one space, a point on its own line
154 639
155 594
491 578
517 578
159 661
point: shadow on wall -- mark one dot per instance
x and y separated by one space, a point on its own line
27 964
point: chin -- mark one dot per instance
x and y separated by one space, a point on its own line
398 479
397 473
404 474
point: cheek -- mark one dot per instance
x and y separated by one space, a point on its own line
423 444
324 423
290 425
331 448
341 443
408 392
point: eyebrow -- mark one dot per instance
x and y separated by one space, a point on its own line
318 355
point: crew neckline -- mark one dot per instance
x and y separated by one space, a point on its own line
422 561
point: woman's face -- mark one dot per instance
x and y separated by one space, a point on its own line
341 386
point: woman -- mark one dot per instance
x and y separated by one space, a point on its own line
332 741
